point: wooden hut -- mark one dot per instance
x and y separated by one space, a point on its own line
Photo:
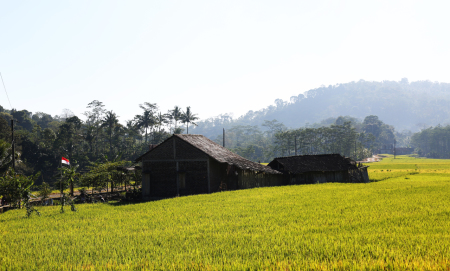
323 168
193 164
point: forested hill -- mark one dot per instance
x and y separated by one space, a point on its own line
405 105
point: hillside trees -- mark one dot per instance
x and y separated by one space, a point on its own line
383 133
24 118
342 139
433 142
405 105
344 135
5 156
5 130
44 139
42 119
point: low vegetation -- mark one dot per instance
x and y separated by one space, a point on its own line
400 222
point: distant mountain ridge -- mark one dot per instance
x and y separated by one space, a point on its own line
403 104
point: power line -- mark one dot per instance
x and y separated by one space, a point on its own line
6 91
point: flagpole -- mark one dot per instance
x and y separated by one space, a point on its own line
60 182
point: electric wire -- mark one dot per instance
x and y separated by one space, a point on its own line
6 91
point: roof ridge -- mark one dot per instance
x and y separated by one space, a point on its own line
315 155
229 157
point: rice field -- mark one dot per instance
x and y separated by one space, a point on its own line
399 222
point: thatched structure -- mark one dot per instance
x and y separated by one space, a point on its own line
193 164
307 169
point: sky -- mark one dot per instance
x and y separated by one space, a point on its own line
214 56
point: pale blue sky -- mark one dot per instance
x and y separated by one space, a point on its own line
215 56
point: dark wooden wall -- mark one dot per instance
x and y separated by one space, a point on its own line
163 164
217 174
161 168
196 177
163 178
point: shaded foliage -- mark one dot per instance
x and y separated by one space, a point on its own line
41 139
433 142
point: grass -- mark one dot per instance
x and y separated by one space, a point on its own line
400 222
404 166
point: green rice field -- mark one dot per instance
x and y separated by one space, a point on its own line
401 221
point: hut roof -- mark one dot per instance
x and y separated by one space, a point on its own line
219 153
313 163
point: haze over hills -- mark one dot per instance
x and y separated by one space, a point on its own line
403 104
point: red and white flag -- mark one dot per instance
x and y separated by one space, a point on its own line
65 161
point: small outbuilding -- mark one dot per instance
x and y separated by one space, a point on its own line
323 168
193 164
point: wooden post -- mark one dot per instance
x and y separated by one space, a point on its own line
174 148
209 177
178 181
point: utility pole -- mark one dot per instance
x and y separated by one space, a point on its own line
224 137
13 147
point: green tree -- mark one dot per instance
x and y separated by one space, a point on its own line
44 191
16 187
102 174
110 122
68 138
188 117
23 118
94 122
147 119
176 115
5 130
161 120
5 156
68 178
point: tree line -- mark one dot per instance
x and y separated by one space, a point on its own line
433 142
98 135
344 135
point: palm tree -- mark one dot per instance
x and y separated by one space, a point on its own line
89 136
169 119
131 136
110 122
188 117
161 119
176 115
147 119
